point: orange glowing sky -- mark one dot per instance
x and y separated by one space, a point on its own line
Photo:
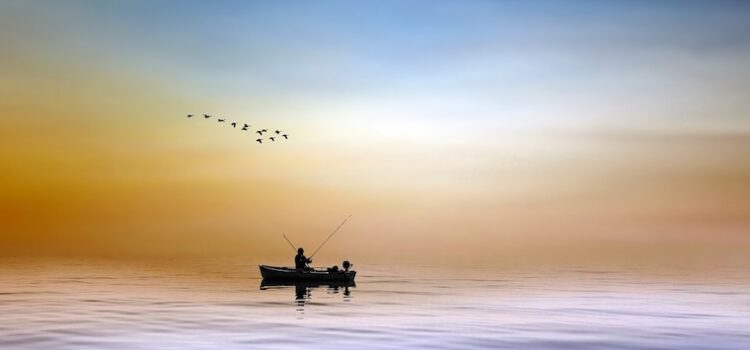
460 131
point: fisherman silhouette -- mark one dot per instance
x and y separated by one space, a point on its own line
300 261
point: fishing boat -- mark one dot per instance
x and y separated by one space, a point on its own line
277 284
309 274
289 274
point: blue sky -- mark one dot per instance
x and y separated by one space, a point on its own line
546 62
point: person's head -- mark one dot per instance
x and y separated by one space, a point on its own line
300 250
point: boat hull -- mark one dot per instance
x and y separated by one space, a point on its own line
274 284
275 273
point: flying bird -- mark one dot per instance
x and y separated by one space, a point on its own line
245 127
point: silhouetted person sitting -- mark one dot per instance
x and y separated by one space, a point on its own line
300 261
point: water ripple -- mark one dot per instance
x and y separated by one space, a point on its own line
80 306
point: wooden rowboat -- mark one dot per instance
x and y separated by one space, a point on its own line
276 273
279 284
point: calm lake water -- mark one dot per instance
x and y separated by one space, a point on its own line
103 305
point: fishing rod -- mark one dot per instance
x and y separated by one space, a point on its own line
329 236
290 242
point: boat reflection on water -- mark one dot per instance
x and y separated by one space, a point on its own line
303 290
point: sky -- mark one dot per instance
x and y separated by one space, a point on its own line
453 131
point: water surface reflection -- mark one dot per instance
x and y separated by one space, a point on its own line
303 291
219 305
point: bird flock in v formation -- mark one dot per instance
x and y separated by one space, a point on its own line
246 127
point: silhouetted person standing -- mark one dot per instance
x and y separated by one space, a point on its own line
300 261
